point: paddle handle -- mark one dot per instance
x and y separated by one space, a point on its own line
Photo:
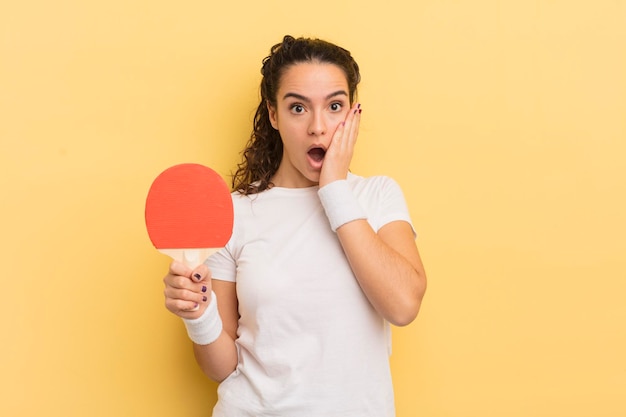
190 257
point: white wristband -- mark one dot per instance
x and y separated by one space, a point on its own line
206 328
340 204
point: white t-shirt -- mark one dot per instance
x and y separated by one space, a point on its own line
309 342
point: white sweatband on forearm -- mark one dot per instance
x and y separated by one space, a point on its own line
206 328
340 204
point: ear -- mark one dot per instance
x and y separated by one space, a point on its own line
272 115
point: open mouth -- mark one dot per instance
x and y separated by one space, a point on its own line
317 154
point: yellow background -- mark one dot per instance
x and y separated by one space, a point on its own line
504 122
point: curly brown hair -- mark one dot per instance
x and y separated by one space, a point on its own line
264 150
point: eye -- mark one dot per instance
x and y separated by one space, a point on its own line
336 106
297 108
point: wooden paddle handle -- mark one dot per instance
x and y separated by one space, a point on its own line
190 257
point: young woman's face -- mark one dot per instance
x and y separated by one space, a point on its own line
312 100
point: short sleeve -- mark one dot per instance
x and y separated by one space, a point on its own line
222 265
383 201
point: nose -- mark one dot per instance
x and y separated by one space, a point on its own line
317 124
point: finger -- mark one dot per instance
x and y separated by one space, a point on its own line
354 126
344 126
175 285
349 131
185 309
201 273
350 127
182 294
192 293
177 281
179 268
185 297
339 132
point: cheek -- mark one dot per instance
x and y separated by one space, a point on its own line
336 119
292 128
343 114
287 131
291 137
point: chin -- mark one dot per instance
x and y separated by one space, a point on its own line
314 178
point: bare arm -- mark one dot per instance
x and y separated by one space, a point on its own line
219 359
387 266
182 293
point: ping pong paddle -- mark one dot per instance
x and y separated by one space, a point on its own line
189 213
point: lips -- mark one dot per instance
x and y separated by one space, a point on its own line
317 154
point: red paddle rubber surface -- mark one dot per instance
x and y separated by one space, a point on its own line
189 206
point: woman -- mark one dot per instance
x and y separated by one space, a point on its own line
291 317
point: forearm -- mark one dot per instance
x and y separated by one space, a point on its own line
387 267
214 337
218 359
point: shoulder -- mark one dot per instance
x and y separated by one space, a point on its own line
381 197
376 185
240 199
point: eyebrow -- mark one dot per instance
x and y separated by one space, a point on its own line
308 100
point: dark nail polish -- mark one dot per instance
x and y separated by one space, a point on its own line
358 106
204 299
360 110
197 276
204 288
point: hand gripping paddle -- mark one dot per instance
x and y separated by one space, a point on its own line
189 213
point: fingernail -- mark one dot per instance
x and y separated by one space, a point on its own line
204 299
360 110
197 276
358 106
204 288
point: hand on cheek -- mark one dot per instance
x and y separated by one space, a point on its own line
339 153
